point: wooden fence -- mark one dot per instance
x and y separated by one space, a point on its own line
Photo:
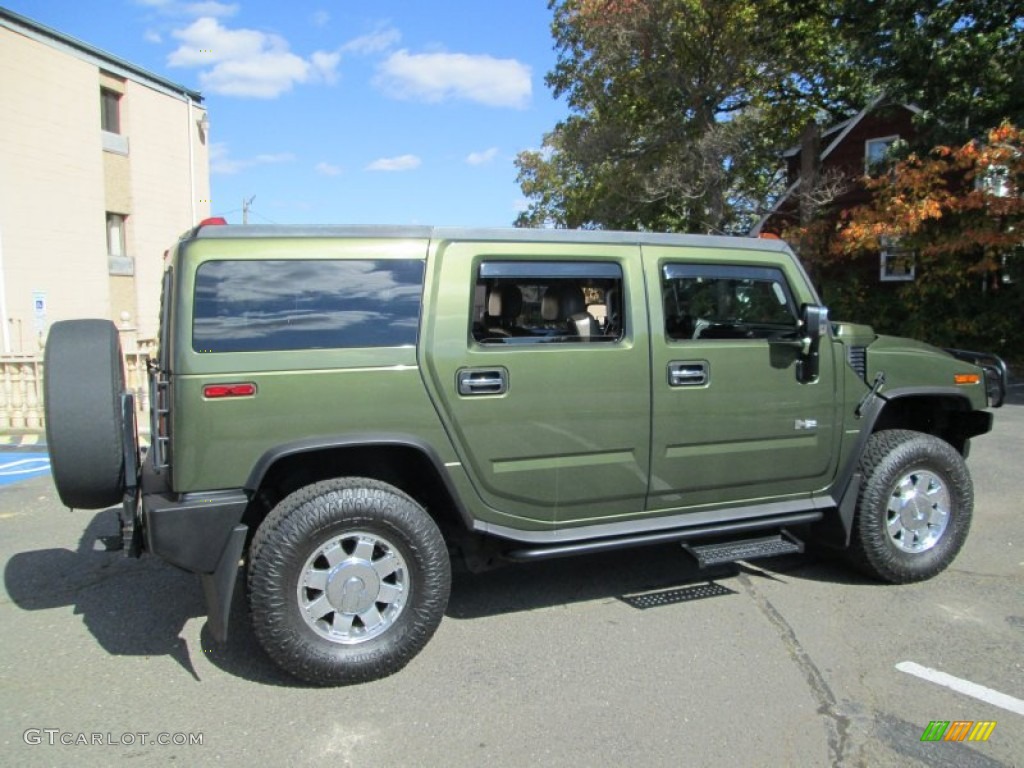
21 387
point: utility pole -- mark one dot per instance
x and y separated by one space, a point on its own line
246 204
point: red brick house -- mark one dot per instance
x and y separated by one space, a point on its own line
825 169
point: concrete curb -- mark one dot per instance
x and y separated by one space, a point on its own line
23 441
32 440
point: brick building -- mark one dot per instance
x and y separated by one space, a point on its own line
842 154
102 166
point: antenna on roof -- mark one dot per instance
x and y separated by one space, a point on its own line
246 205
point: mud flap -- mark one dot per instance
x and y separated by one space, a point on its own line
219 586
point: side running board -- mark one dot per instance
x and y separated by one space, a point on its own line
783 543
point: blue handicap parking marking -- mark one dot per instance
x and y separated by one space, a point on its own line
22 466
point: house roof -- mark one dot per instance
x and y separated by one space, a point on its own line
839 132
106 61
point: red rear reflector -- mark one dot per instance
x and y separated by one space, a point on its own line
967 378
229 390
214 220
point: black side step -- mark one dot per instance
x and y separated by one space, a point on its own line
783 543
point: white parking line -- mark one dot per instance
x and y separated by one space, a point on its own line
966 687
24 467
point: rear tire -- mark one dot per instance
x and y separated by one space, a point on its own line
348 580
914 509
83 381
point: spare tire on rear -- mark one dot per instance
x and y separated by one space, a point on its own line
83 381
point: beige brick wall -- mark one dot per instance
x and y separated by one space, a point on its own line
52 226
57 183
161 187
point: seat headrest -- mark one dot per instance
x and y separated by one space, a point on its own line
505 301
562 301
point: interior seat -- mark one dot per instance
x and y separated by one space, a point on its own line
504 305
565 304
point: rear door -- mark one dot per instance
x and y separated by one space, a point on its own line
539 363
732 420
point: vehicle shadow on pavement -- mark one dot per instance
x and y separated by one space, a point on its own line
624 575
140 607
242 656
132 607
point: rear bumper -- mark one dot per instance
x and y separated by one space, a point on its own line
191 531
202 533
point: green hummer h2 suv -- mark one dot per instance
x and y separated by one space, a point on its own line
347 411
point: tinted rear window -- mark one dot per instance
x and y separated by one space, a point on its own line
261 306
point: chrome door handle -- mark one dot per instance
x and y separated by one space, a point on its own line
691 373
476 381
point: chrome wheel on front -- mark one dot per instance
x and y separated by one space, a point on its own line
918 511
353 587
914 506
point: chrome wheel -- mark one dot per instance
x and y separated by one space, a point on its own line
353 587
918 511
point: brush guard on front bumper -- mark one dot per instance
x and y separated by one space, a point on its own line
997 376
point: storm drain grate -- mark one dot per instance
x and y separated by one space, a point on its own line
678 595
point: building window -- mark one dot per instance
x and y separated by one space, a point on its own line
110 110
995 181
115 234
897 263
876 153
118 260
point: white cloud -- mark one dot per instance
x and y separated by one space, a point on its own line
223 164
482 158
436 77
320 18
382 39
400 163
327 169
325 65
247 62
152 36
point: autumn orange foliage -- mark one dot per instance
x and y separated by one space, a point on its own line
960 212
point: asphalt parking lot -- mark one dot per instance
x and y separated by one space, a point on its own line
624 659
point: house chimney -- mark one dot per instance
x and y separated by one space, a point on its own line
809 168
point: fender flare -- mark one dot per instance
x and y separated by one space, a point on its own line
845 489
358 440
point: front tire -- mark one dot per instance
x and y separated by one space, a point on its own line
914 508
348 580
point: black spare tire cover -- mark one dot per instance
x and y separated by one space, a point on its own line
83 380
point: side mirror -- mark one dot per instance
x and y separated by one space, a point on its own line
815 325
814 320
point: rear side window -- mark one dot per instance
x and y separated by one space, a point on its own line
531 302
263 306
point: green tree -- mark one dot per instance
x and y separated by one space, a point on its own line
678 109
961 61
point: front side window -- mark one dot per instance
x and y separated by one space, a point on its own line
524 302
726 302
259 306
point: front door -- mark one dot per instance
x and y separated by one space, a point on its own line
733 420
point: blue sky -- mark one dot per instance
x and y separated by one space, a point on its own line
346 111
